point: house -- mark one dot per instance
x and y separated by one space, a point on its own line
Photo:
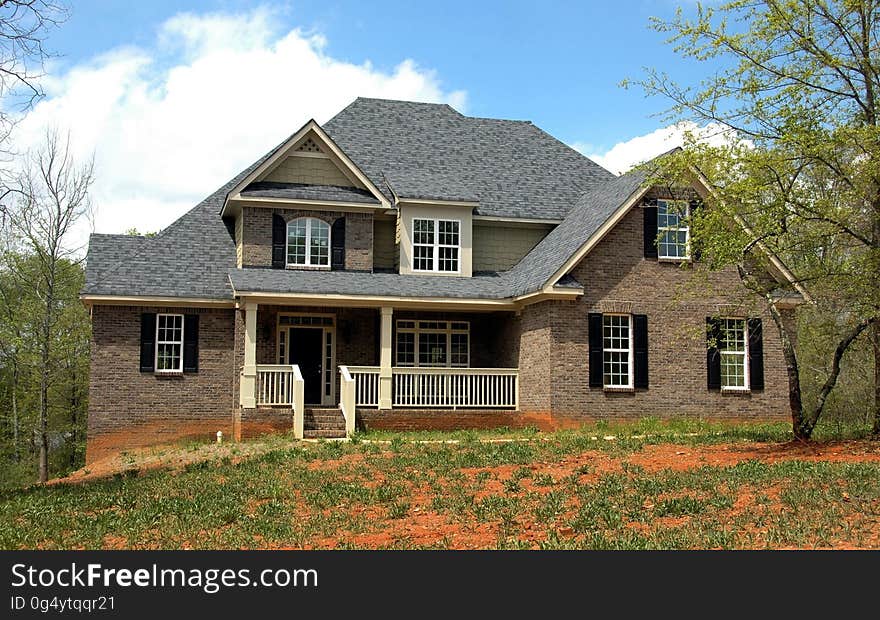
406 266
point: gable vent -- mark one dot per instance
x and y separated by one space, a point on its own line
309 146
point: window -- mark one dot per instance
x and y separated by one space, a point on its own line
673 230
617 350
308 242
733 349
436 245
169 343
433 343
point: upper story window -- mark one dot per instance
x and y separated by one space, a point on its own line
673 230
617 350
308 242
436 245
733 347
169 343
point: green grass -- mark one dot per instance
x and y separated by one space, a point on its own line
512 492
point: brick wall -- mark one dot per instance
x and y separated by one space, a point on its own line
257 235
128 408
554 349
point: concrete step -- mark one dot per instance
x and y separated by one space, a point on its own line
323 434
324 427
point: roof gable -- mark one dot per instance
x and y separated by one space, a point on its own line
308 157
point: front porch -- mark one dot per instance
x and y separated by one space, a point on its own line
354 360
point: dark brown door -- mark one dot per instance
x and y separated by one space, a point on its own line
306 345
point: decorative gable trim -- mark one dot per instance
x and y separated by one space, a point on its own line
331 150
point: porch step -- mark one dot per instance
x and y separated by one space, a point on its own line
323 420
323 434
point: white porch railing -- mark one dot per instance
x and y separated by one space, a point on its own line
366 384
347 398
455 387
487 388
282 384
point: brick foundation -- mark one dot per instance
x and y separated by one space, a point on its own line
447 420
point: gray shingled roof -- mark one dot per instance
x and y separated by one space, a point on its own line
512 168
300 191
529 275
590 212
483 286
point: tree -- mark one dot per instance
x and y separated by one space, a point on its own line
794 86
52 197
24 25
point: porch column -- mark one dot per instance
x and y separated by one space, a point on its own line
248 385
385 359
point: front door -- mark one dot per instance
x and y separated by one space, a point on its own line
306 348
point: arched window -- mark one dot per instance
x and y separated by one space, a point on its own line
308 242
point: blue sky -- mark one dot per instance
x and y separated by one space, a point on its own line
132 79
556 63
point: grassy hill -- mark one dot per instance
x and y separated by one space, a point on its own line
733 487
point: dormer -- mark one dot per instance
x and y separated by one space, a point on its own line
436 227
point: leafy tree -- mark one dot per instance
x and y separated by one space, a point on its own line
52 197
793 86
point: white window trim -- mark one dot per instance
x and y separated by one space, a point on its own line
436 245
417 330
308 262
686 229
746 386
168 371
629 351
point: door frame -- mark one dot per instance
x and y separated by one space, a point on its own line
282 347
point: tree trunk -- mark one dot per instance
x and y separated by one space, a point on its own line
800 425
45 344
74 405
15 424
875 340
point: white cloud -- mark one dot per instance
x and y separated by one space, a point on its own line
629 153
170 123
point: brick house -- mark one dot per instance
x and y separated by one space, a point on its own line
406 266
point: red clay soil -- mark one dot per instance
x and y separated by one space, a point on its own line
424 527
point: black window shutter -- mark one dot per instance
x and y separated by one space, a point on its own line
756 354
191 343
337 243
650 213
148 342
713 357
695 206
640 350
594 322
279 239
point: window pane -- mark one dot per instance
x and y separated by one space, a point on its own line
296 242
448 232
673 244
423 231
448 259
432 349
460 350
319 250
733 349
406 348
616 343
423 257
